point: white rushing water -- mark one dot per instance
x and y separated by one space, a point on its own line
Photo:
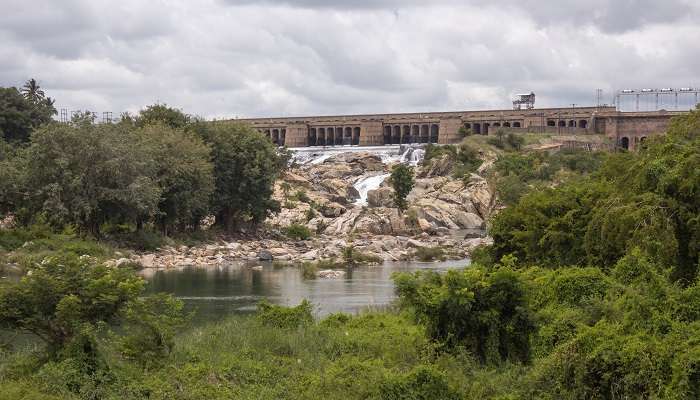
365 184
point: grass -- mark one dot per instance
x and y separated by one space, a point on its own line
32 244
352 257
277 354
309 270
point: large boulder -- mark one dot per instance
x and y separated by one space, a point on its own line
296 180
364 162
382 197
332 210
265 255
340 190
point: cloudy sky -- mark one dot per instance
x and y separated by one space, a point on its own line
245 58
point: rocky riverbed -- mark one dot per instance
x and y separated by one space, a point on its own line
345 200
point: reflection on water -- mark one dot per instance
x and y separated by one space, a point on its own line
214 292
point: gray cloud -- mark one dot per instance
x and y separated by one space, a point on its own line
225 58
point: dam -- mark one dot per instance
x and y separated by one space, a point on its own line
626 129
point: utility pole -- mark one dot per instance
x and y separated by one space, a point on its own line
573 117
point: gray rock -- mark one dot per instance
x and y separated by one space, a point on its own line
264 255
382 197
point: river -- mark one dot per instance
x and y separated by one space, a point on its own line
213 293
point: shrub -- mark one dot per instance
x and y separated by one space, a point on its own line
300 195
310 214
423 383
150 327
429 253
309 270
486 312
514 141
297 232
352 256
285 317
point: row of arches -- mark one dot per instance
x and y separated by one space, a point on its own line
405 134
334 136
482 128
582 123
276 135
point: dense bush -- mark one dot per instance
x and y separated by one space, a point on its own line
85 175
155 170
486 312
285 317
297 232
183 174
64 301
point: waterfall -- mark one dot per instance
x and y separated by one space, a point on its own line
367 183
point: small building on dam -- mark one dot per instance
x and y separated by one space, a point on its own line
626 129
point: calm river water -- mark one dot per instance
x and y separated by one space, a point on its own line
215 292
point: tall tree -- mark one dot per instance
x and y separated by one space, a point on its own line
86 174
402 182
32 91
184 174
20 116
246 165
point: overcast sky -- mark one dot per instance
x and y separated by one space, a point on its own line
245 58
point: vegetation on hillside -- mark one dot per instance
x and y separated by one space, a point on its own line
464 158
516 173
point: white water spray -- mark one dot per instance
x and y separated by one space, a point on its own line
365 184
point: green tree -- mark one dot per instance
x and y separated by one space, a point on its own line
184 175
32 92
20 116
246 165
86 175
161 113
62 300
402 181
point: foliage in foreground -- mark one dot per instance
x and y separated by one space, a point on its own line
500 332
66 302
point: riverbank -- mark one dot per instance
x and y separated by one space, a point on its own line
323 247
